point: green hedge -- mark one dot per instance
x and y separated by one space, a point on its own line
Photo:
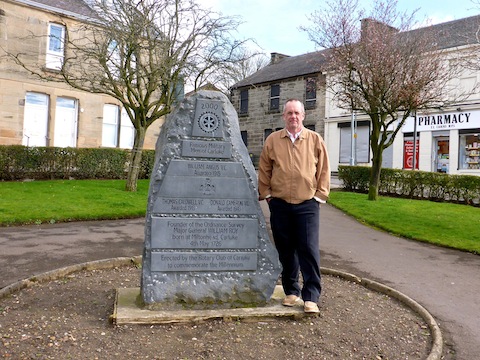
464 189
43 163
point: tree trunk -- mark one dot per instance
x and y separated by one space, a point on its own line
135 160
375 174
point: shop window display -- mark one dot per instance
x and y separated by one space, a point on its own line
470 151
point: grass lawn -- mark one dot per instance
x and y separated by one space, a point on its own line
36 202
451 225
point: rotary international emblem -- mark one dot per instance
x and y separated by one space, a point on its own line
208 122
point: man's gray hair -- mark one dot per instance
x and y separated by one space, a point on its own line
293 99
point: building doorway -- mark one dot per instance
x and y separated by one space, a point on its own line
442 154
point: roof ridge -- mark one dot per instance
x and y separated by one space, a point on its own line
295 66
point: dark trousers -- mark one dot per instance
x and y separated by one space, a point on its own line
296 230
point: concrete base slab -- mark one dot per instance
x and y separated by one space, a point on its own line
127 310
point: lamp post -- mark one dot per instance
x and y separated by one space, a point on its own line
414 162
352 128
352 140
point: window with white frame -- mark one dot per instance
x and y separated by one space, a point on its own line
127 131
361 143
113 59
469 150
35 119
117 129
55 46
111 121
66 122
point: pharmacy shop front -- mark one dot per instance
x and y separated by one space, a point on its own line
447 142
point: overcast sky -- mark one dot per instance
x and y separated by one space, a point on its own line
274 23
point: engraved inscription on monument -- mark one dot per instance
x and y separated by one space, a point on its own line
204 187
205 234
217 261
202 149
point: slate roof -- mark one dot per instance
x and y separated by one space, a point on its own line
449 34
75 8
453 33
288 67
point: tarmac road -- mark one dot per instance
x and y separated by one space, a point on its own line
30 250
446 282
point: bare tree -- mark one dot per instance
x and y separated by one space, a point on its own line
246 62
230 68
141 52
252 62
381 67
471 37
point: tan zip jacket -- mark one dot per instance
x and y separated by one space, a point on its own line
294 172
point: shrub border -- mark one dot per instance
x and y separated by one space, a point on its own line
460 189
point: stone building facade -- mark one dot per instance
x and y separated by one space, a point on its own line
259 98
39 113
447 139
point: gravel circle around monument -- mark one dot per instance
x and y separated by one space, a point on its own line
69 318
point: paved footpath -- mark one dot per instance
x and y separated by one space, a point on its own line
445 282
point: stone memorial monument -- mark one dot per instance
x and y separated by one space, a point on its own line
206 241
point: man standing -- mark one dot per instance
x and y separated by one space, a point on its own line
294 178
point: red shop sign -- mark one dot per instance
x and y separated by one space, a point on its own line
408 154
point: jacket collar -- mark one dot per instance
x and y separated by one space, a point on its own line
285 133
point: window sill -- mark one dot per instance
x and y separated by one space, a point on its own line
275 111
52 70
